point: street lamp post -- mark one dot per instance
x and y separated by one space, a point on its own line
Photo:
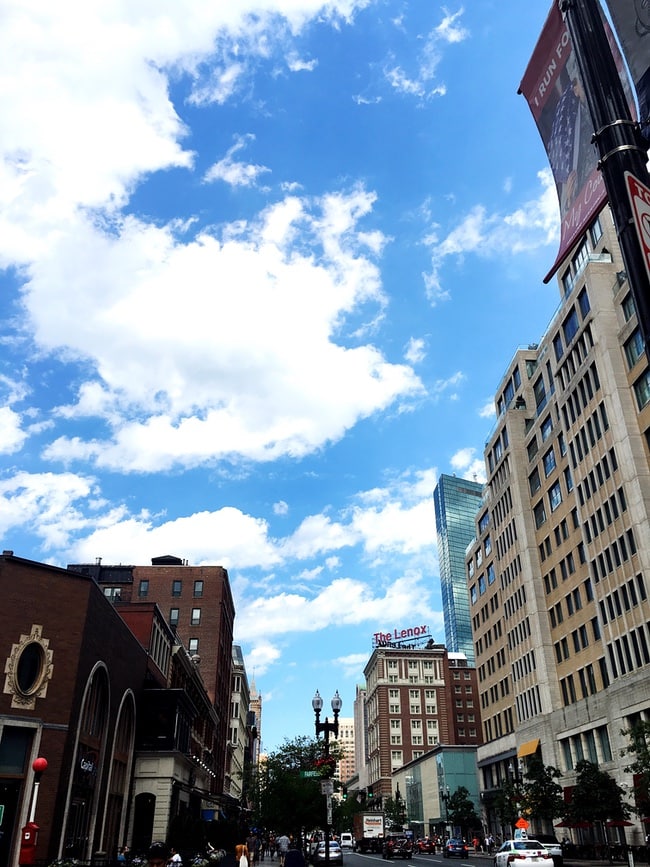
327 728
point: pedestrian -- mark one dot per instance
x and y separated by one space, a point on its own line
241 855
175 860
158 855
283 848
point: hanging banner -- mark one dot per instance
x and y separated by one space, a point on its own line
632 24
556 98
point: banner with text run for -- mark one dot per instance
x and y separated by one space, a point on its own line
554 92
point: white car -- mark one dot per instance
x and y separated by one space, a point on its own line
523 853
346 840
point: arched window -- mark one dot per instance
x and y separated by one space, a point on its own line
79 833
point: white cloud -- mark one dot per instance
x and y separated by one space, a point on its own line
471 466
12 436
487 235
280 508
487 410
171 392
415 351
237 174
450 30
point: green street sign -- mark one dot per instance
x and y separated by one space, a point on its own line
309 774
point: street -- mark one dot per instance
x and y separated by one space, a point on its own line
353 859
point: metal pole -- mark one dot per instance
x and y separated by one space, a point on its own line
621 147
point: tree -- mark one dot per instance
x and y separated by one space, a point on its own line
505 803
395 812
596 796
639 767
462 812
541 797
289 800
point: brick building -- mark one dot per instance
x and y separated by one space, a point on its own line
416 698
114 703
74 674
197 603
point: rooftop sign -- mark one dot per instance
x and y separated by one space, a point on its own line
401 637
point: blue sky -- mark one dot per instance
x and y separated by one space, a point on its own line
263 266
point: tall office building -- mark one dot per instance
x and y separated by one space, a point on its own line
559 572
456 503
345 739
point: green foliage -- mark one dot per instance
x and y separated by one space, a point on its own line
639 749
288 801
541 795
462 812
395 812
596 796
505 802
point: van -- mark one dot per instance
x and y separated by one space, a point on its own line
346 841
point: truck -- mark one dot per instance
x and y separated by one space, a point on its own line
368 831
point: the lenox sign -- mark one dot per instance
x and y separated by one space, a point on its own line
399 636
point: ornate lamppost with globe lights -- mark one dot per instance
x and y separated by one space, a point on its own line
327 764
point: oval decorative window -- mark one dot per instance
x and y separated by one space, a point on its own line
30 667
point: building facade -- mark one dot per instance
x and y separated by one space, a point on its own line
456 503
347 766
197 603
417 697
558 575
239 741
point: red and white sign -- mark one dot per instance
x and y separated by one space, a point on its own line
640 201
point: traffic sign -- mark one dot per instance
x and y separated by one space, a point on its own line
309 774
639 196
521 823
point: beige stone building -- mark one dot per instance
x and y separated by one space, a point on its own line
558 574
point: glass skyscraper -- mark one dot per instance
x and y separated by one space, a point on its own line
456 503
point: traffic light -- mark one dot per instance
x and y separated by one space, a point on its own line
345 792
370 793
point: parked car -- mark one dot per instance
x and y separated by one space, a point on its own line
523 853
336 853
397 847
554 846
455 847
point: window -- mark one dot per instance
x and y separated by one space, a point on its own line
196 617
198 588
487 546
570 326
549 462
532 448
547 427
634 348
595 232
143 588
629 310
177 587
483 522
534 482
558 346
583 303
642 389
173 616
540 393
555 496
193 646
491 574
540 514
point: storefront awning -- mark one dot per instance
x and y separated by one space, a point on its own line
528 748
